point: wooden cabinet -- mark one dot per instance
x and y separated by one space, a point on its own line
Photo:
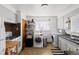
24 25
10 45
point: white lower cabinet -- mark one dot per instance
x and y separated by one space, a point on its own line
59 43
62 44
2 47
73 49
2 37
66 45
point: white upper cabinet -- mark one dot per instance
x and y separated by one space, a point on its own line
67 23
7 14
75 23
60 23
18 16
10 18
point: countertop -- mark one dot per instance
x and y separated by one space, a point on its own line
11 38
76 41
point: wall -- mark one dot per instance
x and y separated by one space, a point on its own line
52 25
74 21
6 13
9 7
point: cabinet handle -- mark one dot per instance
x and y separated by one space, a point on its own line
76 49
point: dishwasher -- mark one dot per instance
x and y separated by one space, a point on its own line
55 40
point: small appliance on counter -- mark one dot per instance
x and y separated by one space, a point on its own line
62 31
8 34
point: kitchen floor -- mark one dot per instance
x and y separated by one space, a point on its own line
39 51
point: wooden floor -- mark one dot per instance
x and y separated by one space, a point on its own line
38 51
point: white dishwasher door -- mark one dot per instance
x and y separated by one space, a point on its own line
55 43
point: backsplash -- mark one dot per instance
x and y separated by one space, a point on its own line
14 28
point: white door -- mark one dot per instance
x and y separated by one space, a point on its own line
2 37
59 42
55 43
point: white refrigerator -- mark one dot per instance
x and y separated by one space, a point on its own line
2 37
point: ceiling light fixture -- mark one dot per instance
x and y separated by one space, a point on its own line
44 5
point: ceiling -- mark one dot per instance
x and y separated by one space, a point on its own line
37 10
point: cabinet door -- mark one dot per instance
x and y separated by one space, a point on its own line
75 23
18 16
60 23
62 44
10 18
2 47
72 49
55 41
59 43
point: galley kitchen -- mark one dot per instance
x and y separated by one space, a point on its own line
39 29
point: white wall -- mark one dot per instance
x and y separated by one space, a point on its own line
67 11
74 16
62 18
74 20
6 13
52 25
